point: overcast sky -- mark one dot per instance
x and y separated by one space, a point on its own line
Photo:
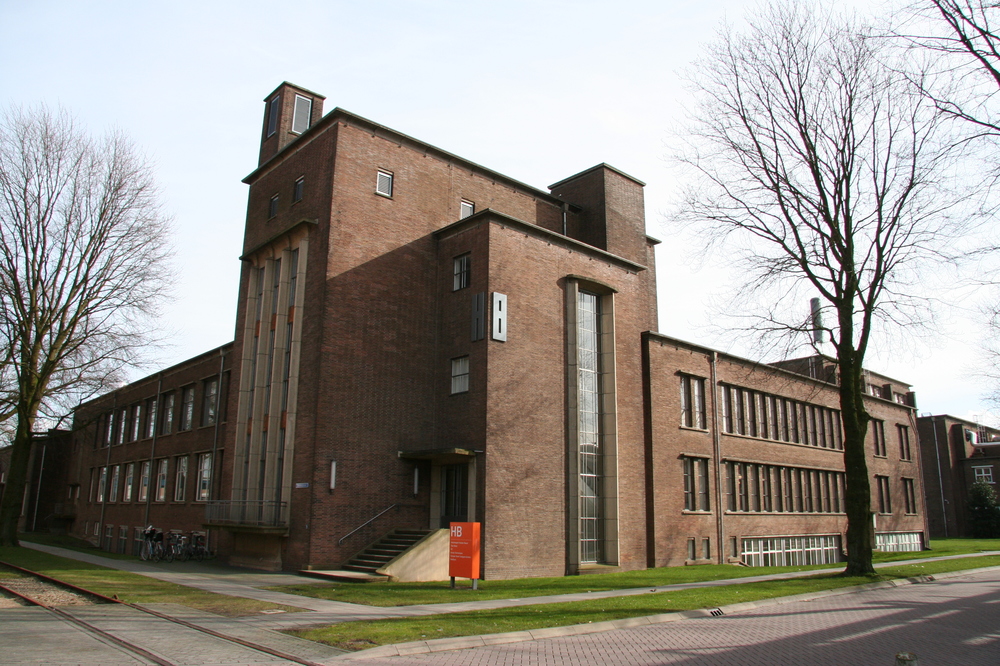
535 90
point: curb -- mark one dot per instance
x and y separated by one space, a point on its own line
464 642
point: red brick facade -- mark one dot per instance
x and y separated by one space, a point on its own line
420 325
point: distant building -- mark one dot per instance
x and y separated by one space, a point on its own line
956 454
421 340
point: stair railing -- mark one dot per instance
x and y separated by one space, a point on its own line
366 523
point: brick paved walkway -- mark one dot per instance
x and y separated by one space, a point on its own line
945 623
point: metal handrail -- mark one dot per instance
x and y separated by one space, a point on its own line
366 523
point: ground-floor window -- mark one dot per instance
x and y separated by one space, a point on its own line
899 542
784 551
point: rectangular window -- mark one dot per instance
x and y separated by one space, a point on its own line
878 433
460 375
204 476
272 207
693 413
102 484
983 474
151 417
383 183
144 482
272 114
209 397
180 479
696 497
301 114
692 548
884 500
910 496
706 548
187 408
904 442
298 189
129 480
461 269
727 408
466 208
161 480
115 478
122 426
135 424
167 415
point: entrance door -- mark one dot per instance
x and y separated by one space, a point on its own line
454 494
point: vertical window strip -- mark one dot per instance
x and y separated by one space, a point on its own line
589 410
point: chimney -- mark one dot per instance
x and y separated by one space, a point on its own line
288 112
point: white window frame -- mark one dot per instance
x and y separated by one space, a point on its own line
180 478
160 489
384 183
204 477
983 473
273 106
299 123
466 208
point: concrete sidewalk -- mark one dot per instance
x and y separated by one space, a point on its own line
244 583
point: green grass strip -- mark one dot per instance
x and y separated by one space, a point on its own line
130 587
366 634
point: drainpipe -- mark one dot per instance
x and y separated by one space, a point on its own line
937 450
152 448
215 439
717 446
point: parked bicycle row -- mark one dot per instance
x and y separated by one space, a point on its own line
173 545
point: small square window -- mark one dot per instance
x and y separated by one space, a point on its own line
383 184
272 207
467 209
301 114
460 375
461 269
297 189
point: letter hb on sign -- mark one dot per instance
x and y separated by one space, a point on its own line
456 530
463 559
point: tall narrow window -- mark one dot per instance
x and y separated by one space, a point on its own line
272 207
129 480
272 114
180 479
884 500
460 375
461 268
187 408
204 476
904 442
167 414
135 423
144 482
878 433
467 208
696 497
298 189
589 391
693 402
102 484
161 480
910 496
209 397
301 114
115 478
150 417
383 183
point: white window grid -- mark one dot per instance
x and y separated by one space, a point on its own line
899 542
983 473
784 551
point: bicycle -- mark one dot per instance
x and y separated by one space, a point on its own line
152 546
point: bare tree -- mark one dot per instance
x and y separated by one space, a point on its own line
818 165
83 251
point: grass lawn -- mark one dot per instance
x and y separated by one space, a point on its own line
131 587
408 594
366 634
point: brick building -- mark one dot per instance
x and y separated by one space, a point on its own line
421 340
956 454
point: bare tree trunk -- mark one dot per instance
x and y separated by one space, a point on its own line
860 533
13 497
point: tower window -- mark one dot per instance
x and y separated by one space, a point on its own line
272 114
298 188
272 207
467 208
383 184
301 114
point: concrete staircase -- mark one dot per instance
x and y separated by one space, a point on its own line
384 551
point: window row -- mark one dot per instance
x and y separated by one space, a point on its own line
298 190
757 414
301 114
884 495
877 428
131 481
143 420
751 487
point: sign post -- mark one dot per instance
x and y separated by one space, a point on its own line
463 560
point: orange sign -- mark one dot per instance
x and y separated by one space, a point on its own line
463 559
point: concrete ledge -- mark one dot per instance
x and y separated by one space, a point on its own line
464 642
